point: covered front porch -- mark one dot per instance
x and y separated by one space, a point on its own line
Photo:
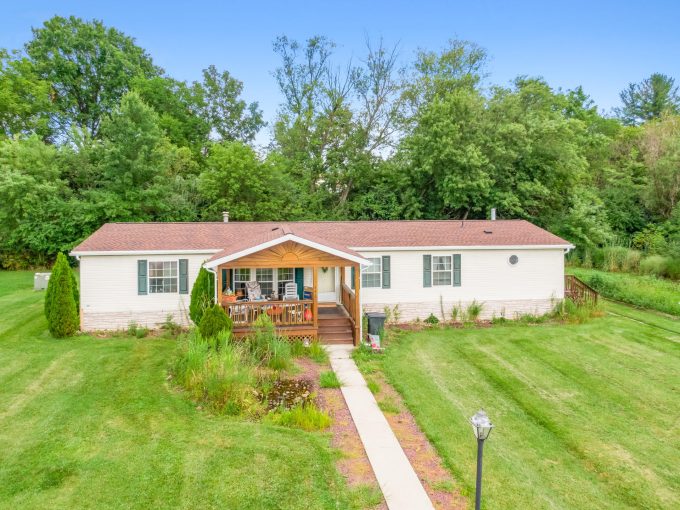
310 291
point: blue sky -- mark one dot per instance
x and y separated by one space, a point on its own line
600 45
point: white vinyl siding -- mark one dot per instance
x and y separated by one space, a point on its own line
441 270
371 276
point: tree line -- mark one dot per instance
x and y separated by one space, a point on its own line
93 131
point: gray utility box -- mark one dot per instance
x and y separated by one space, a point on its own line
40 280
376 322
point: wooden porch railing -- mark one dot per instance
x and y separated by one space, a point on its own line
348 300
282 313
578 291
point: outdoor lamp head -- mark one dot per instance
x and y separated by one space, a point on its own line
481 425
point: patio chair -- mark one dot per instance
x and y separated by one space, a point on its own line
290 292
254 291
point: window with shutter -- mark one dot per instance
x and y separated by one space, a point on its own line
456 270
386 279
427 270
141 277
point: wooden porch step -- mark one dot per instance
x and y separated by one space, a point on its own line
333 321
343 328
344 338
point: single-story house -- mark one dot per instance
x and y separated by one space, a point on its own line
144 272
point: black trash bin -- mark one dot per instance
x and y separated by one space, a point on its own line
376 322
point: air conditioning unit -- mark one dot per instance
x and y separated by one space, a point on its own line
40 281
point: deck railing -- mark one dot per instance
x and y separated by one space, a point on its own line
282 313
579 291
348 299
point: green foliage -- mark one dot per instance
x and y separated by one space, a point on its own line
649 99
202 295
431 319
317 352
222 379
60 300
474 309
644 291
267 346
306 417
328 379
214 321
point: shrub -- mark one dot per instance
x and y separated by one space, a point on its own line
614 258
214 321
455 312
297 348
223 379
673 269
329 379
306 417
202 295
568 310
654 265
432 319
474 310
170 327
60 300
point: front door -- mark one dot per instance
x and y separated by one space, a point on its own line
326 285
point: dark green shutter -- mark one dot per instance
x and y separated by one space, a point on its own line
352 276
386 272
456 270
427 270
224 280
141 277
184 276
300 281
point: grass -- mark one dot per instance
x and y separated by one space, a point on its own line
643 291
306 417
328 379
93 423
585 414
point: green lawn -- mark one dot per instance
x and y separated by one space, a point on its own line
92 423
639 290
587 416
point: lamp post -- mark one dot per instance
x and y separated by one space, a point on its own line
482 428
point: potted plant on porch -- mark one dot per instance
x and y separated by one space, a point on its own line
229 296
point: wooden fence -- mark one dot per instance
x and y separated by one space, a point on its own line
578 291
348 299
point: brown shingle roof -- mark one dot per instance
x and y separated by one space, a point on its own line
344 235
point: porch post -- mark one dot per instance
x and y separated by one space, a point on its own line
342 277
357 304
315 295
218 273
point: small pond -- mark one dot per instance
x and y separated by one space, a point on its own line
287 393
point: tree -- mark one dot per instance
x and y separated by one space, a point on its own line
231 117
61 307
202 295
661 152
24 98
89 66
649 99
236 181
214 321
139 174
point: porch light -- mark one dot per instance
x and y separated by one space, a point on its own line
481 426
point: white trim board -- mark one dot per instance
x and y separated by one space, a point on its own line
144 252
461 248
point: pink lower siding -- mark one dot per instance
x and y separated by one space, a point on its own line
101 321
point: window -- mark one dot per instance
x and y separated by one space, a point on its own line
241 277
265 277
371 276
441 270
162 277
285 275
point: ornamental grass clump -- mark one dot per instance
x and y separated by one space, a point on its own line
268 348
61 300
306 417
223 379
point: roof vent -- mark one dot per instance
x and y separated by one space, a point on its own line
488 232
225 216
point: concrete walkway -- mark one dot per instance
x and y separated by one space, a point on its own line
398 481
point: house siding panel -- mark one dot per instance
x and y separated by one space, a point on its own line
531 286
110 299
